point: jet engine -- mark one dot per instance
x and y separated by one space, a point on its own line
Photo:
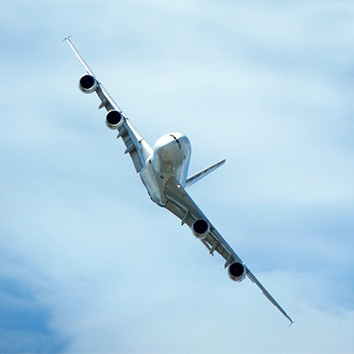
200 228
88 83
237 271
113 119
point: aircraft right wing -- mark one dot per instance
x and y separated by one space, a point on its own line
136 146
181 204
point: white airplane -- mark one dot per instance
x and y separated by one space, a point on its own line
163 170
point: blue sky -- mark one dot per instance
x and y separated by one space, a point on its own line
89 265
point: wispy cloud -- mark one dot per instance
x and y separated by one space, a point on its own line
89 264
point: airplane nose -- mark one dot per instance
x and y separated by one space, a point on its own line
172 149
180 139
176 140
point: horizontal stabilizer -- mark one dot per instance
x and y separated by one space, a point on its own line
198 176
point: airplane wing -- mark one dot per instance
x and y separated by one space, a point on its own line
181 204
136 146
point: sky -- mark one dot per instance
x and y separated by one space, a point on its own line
89 265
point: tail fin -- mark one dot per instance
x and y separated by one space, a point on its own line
198 176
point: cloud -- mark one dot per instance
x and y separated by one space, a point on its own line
89 264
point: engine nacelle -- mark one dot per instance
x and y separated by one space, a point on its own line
200 228
87 83
114 119
237 271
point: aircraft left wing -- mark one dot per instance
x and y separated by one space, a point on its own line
136 146
181 204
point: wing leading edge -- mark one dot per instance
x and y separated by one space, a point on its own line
181 204
138 149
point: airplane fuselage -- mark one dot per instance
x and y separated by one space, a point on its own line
170 157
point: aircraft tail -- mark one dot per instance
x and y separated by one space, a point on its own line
198 176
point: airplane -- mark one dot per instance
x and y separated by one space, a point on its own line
163 170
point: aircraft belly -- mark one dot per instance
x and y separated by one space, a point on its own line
154 184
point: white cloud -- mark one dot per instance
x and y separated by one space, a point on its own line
103 269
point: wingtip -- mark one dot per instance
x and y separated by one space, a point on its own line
291 321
